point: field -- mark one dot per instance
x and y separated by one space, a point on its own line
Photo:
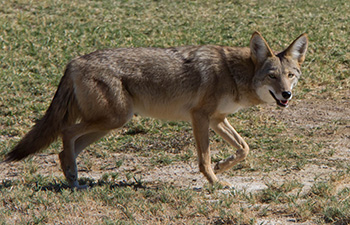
146 173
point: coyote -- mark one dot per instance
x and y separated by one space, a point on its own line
101 91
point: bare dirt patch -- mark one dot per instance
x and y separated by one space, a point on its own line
326 121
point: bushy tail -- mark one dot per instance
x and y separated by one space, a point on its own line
62 112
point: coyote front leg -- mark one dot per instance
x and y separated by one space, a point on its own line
200 124
222 127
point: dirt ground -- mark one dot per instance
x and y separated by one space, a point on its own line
333 116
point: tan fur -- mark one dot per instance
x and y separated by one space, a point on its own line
101 91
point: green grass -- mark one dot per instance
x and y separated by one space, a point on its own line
37 40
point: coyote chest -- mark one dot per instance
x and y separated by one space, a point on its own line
228 105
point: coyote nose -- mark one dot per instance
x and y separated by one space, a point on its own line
286 94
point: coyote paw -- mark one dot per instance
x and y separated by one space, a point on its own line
225 184
77 186
81 187
217 168
222 185
226 164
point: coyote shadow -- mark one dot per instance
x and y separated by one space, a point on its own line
58 186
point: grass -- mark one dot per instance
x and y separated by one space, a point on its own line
38 38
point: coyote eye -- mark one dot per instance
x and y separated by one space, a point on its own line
272 76
290 75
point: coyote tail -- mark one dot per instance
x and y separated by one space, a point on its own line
63 111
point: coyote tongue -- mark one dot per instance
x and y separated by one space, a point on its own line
283 103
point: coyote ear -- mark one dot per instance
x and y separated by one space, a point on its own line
297 49
259 48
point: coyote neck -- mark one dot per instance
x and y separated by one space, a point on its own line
242 70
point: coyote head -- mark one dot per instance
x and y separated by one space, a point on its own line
276 75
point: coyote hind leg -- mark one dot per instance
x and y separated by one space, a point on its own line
84 141
75 139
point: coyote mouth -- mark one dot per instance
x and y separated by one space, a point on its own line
283 103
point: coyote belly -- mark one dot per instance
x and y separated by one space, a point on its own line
101 91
